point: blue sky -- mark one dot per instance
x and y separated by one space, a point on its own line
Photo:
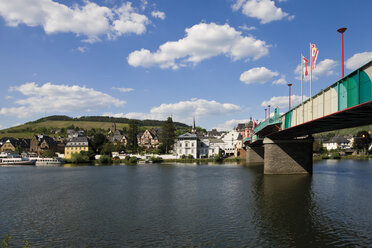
221 61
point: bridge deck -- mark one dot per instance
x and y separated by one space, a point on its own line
346 103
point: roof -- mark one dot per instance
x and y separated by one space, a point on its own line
78 141
216 141
338 140
187 136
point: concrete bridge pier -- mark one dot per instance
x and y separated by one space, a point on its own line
255 154
291 156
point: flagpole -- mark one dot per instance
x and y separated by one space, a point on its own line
302 87
311 82
302 80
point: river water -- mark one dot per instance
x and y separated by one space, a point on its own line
187 205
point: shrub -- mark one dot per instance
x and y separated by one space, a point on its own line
133 160
335 155
183 156
78 158
218 158
190 156
104 159
156 159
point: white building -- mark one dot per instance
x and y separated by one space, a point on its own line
190 144
187 144
230 140
337 142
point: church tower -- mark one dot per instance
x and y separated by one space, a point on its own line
193 130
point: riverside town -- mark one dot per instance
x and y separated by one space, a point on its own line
230 123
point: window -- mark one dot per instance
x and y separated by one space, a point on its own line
192 144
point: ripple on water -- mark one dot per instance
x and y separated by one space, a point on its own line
187 206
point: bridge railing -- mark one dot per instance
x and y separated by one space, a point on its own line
275 120
349 91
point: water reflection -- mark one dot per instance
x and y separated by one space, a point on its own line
187 205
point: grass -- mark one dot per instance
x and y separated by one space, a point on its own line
29 129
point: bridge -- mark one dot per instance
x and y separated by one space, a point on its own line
284 142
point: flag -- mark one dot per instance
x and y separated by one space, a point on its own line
314 55
304 62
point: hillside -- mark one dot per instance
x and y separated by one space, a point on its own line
47 125
346 131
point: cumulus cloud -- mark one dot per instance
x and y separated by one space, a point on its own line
230 124
282 101
202 41
184 110
89 19
323 68
122 89
246 28
53 98
257 75
264 10
281 80
158 14
357 60
82 49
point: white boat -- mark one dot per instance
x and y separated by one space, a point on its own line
14 161
48 162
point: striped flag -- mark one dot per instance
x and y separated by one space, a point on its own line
314 55
304 62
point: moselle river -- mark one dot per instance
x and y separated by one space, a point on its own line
187 206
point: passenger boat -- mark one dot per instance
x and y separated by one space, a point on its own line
48 162
14 161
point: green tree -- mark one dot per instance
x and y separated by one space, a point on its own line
362 141
318 146
18 150
98 141
77 158
132 136
168 135
49 154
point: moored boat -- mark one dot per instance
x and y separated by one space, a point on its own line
15 161
48 162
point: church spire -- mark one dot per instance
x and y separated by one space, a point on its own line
193 130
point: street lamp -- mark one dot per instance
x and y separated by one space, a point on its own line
269 110
265 114
289 85
341 31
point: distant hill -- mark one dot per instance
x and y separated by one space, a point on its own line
48 125
344 132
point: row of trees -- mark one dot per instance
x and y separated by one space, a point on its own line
166 138
101 145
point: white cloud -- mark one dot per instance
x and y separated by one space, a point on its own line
82 49
144 4
202 41
122 89
264 10
283 101
53 98
357 60
246 28
230 124
257 75
184 110
323 68
158 14
90 19
281 80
